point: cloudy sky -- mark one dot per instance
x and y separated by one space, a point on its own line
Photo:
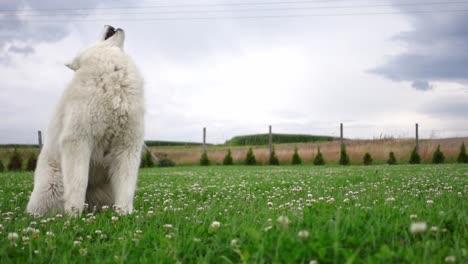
237 66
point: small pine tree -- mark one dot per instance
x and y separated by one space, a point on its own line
143 162
367 159
296 159
273 160
204 161
438 156
2 168
318 160
228 158
149 159
391 158
462 157
16 162
250 158
344 158
32 162
415 158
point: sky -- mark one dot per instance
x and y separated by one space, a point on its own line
236 67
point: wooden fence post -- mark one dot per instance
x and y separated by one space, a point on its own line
39 138
270 140
341 133
417 136
204 139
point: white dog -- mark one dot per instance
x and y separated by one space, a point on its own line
93 145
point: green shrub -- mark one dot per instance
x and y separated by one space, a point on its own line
2 168
273 160
204 160
250 158
319 160
149 162
414 157
32 162
391 159
344 158
462 157
16 162
296 159
228 158
166 162
438 156
367 159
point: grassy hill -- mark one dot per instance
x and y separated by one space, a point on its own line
262 139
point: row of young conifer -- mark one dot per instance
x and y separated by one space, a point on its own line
15 163
250 159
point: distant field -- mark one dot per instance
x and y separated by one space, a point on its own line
259 214
379 149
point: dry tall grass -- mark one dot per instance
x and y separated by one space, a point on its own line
379 149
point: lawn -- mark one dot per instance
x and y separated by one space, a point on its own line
259 214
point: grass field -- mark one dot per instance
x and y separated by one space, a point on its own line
260 214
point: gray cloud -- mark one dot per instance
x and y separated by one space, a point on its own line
421 85
16 24
436 49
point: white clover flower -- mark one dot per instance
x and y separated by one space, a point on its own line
83 251
303 234
234 243
98 232
13 236
313 262
105 208
215 225
390 200
283 220
76 243
114 219
50 234
270 204
450 259
429 202
418 227
413 216
266 229
150 213
346 200
331 200
167 226
434 229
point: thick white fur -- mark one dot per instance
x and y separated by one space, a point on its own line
93 145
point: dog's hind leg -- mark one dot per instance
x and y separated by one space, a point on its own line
47 196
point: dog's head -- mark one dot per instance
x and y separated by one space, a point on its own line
109 38
113 37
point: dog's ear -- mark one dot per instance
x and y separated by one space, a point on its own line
74 65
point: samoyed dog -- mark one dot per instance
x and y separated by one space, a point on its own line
93 144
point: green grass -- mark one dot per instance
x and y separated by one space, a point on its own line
262 139
359 225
